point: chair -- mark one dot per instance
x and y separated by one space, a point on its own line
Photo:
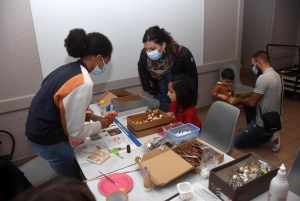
218 128
37 171
8 157
293 175
239 87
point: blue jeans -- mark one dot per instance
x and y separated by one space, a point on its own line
250 113
60 157
252 135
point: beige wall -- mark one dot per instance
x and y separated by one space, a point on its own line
271 21
21 74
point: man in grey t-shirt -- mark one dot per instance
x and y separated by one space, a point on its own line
267 95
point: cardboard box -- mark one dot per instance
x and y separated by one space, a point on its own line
128 103
219 176
187 144
133 111
131 121
108 95
162 163
145 132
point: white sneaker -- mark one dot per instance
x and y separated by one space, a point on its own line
275 141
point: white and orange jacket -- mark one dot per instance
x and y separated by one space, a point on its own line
58 109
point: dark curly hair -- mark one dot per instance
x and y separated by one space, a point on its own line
160 35
186 92
228 74
79 44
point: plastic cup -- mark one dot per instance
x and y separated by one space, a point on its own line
185 191
117 196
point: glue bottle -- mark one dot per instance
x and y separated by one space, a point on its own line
102 108
279 186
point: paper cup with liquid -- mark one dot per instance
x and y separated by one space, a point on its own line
117 196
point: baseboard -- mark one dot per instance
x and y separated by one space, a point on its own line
203 108
22 161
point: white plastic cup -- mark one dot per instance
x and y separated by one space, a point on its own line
185 190
117 196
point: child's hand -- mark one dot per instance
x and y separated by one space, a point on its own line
222 97
170 114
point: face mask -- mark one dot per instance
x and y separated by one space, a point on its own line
154 55
254 70
97 70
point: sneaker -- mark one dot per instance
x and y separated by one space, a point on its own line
276 141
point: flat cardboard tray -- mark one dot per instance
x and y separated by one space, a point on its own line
150 124
187 144
108 95
219 176
162 163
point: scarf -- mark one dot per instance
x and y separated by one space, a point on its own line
158 69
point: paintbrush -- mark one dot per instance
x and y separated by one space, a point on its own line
121 189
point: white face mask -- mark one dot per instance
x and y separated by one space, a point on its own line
97 70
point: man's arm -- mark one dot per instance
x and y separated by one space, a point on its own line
251 101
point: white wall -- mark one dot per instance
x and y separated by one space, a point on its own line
257 27
123 22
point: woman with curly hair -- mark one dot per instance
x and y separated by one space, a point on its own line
160 59
58 110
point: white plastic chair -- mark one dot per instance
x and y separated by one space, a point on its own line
293 175
239 87
218 128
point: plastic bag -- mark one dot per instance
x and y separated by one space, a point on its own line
209 160
157 142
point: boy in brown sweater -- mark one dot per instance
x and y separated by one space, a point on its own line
225 89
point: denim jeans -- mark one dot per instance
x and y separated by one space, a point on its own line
60 157
252 135
250 113
162 96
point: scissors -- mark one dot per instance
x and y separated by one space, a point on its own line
116 152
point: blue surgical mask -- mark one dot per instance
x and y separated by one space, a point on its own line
254 70
97 70
154 55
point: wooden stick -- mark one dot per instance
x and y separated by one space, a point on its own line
114 171
100 177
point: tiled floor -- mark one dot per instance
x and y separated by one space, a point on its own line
290 134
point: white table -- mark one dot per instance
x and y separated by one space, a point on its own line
137 193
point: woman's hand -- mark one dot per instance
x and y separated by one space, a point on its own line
91 116
105 122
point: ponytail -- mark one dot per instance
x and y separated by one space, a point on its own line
76 43
80 44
